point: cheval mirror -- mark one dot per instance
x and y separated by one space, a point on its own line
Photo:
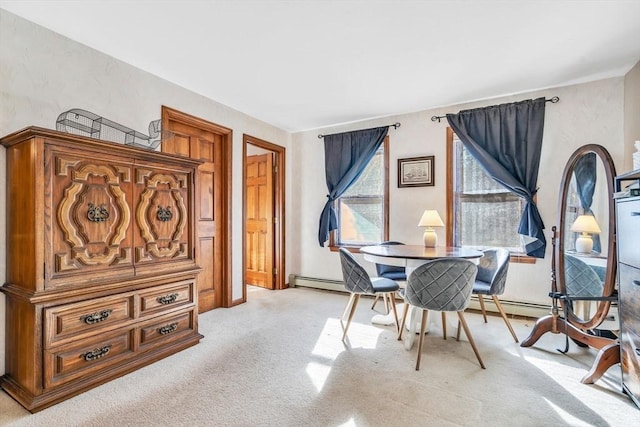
583 276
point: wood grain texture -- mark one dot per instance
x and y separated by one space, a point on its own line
81 308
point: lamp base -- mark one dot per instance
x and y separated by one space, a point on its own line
584 244
430 238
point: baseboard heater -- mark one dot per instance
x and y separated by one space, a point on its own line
512 308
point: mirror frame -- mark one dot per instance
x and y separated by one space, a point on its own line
610 275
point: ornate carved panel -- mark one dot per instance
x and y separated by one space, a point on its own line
161 215
93 214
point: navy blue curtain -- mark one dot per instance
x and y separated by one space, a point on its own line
506 140
346 155
585 174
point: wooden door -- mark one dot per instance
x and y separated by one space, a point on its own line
206 142
259 221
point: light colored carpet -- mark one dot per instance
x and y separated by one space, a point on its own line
278 361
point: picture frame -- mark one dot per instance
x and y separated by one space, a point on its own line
416 172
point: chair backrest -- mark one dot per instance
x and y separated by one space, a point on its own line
443 284
391 271
356 279
492 269
580 278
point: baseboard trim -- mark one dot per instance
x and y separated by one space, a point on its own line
512 308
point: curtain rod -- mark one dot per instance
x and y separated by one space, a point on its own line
437 118
396 125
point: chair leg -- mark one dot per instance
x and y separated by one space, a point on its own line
375 301
423 325
504 316
444 324
458 331
346 308
353 310
471 341
385 299
484 313
404 319
395 310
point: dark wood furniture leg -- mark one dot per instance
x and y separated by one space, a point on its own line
543 325
607 357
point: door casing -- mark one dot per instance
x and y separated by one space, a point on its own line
222 166
279 209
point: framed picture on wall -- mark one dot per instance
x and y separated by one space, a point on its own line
415 172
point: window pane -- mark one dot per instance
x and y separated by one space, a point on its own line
491 223
361 220
361 208
371 182
486 214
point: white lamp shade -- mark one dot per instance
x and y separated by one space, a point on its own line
585 224
430 218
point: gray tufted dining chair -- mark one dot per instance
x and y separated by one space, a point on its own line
358 282
441 285
581 281
390 272
491 280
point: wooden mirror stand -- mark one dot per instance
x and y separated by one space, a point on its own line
580 328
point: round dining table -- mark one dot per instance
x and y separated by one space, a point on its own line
410 257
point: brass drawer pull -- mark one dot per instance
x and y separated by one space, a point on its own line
96 353
96 317
97 213
164 214
168 329
167 299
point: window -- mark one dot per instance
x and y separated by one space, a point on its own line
363 210
481 212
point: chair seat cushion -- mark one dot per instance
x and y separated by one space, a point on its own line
480 287
395 275
382 284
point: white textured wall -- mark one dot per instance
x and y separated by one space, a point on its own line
586 114
631 115
43 74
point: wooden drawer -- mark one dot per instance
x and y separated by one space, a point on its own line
167 297
87 356
163 330
76 321
628 231
629 298
630 361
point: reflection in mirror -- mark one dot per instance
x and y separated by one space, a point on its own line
585 232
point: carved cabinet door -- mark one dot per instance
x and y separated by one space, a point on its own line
88 212
162 219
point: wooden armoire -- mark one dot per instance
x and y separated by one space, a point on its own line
100 262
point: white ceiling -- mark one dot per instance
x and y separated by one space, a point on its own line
308 64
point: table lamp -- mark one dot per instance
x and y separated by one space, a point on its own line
430 219
586 225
